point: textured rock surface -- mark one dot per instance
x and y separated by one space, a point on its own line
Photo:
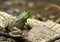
38 35
43 31
54 26
51 25
34 22
5 19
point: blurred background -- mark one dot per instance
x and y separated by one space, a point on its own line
41 9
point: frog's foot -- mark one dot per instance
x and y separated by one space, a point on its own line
15 33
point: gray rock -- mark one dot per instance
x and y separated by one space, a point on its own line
43 31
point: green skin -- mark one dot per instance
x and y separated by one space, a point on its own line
22 19
19 23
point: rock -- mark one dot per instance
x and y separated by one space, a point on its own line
50 24
4 39
34 22
39 34
43 31
54 26
57 40
5 19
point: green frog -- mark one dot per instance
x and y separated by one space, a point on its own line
17 24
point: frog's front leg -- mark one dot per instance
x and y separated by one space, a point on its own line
15 32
